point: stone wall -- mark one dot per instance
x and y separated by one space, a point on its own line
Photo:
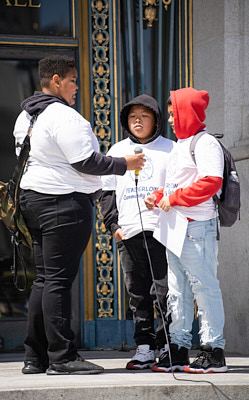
221 66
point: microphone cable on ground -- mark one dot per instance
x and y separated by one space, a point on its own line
160 309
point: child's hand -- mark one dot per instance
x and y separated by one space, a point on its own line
150 201
164 203
118 235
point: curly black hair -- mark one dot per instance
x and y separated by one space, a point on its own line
57 64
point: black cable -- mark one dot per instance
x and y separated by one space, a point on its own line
160 309
152 274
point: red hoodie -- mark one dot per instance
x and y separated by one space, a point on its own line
189 107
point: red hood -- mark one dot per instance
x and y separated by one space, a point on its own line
189 107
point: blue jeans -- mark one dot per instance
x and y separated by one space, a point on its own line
193 276
60 226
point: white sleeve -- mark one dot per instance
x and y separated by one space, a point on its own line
76 139
209 157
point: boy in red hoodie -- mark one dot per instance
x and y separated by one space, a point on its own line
193 276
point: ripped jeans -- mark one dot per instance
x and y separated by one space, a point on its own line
193 276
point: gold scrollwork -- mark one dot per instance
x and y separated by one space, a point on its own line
150 15
150 12
150 2
104 253
99 5
104 258
104 296
166 4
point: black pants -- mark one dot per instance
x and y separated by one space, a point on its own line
140 287
60 226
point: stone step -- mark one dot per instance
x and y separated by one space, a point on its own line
117 383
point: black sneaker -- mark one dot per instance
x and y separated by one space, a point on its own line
143 358
208 361
76 367
179 359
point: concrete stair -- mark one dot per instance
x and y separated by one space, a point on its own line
117 383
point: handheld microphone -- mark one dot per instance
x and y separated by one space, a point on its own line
137 150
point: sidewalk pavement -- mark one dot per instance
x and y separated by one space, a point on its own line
118 383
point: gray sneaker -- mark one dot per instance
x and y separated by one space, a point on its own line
76 367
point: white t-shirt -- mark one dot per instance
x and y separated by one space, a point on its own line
151 178
60 137
182 172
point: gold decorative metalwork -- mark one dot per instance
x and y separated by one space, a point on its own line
104 260
150 12
150 15
166 4
102 130
151 2
185 43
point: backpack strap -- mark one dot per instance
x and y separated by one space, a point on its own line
13 188
196 137
193 142
14 182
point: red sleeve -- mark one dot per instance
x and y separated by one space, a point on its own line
197 193
159 195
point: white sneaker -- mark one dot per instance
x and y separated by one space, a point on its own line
144 358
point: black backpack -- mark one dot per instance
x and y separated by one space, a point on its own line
229 201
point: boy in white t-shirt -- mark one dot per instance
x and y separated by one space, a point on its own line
189 190
142 122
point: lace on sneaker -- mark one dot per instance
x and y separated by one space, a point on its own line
141 350
208 361
201 357
163 355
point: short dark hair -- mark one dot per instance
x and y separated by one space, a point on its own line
169 103
57 64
